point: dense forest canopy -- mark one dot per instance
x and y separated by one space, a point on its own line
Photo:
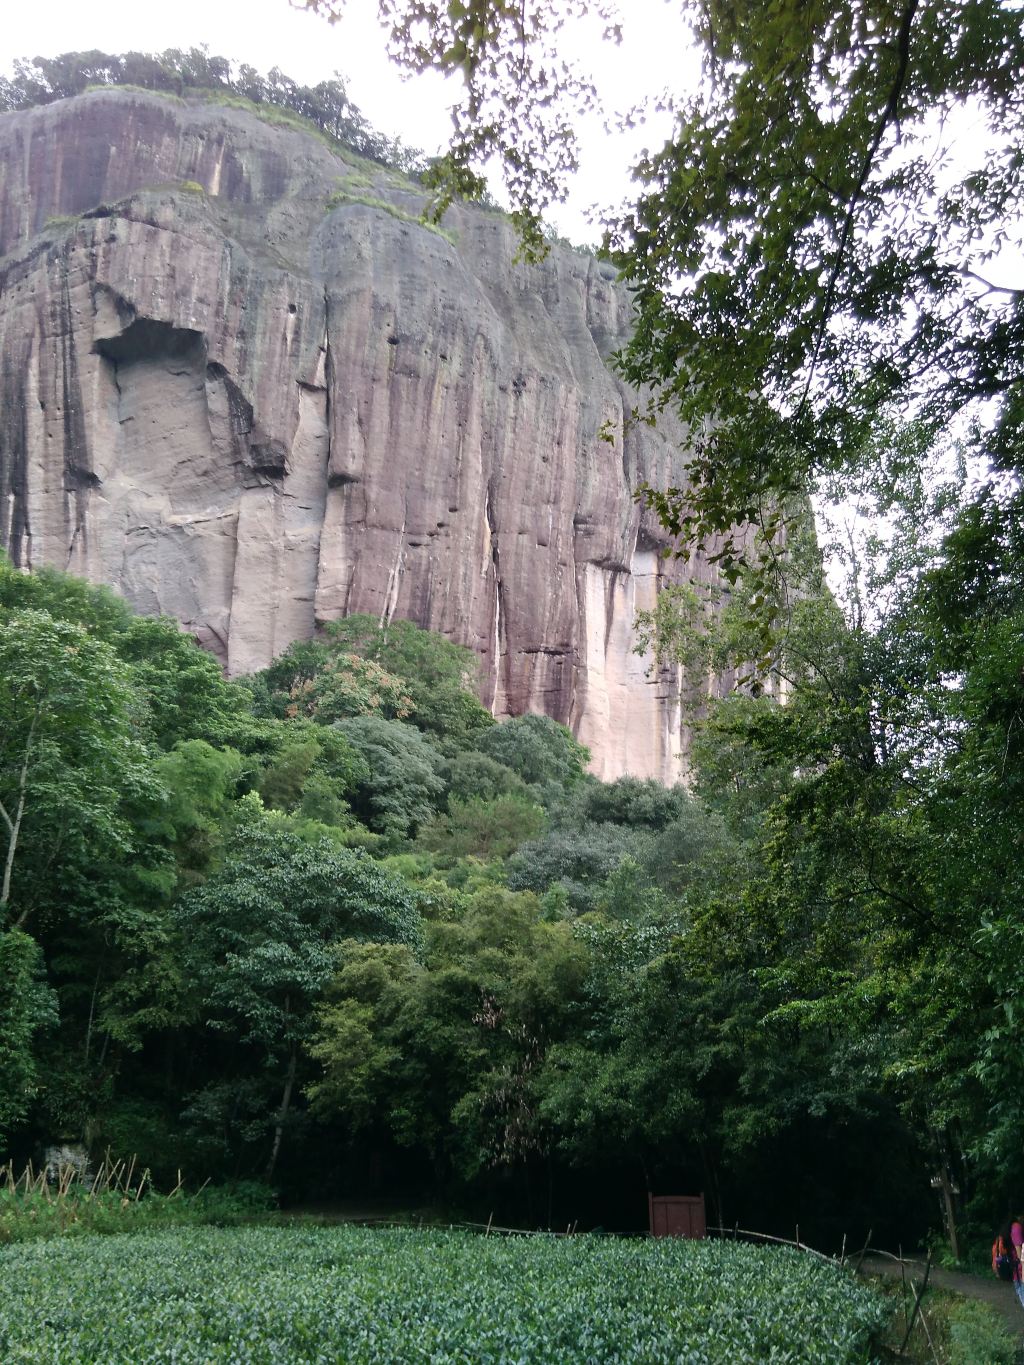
331 924
825 257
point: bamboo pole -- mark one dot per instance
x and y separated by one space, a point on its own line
903 1277
863 1252
917 1301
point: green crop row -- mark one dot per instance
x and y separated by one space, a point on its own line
358 1295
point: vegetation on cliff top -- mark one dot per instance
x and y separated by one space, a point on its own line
324 108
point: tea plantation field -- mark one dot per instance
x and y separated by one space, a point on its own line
353 1295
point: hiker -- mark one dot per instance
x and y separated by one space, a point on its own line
1006 1255
1017 1241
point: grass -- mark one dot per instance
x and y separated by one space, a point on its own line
366 1296
355 182
118 1197
134 89
949 1330
977 1336
345 196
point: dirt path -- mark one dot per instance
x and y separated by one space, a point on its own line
1001 1296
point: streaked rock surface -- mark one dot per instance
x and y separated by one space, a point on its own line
254 412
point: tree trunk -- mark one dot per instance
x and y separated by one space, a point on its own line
13 823
92 1014
282 1113
711 1181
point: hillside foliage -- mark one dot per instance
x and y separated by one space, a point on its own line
474 971
345 948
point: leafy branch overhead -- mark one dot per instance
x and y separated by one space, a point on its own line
520 95
821 243
807 251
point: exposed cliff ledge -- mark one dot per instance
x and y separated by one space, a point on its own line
254 413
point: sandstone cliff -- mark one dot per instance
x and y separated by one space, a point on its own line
240 383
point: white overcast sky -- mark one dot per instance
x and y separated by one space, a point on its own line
267 33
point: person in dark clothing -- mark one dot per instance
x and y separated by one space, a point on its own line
1016 1240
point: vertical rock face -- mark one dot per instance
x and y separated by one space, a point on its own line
282 399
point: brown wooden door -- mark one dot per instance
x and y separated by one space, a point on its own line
677 1215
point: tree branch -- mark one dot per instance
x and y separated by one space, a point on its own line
15 826
884 120
991 288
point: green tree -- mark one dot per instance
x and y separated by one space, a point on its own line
646 1079
311 771
350 1044
471 774
27 1007
442 1054
538 749
358 666
258 935
806 256
343 685
185 694
200 782
799 247
697 855
65 598
440 676
402 785
626 801
483 829
69 761
577 860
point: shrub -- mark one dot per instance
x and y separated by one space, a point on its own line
580 861
118 1198
403 785
978 1336
473 774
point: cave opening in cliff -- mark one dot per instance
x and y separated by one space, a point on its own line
149 339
